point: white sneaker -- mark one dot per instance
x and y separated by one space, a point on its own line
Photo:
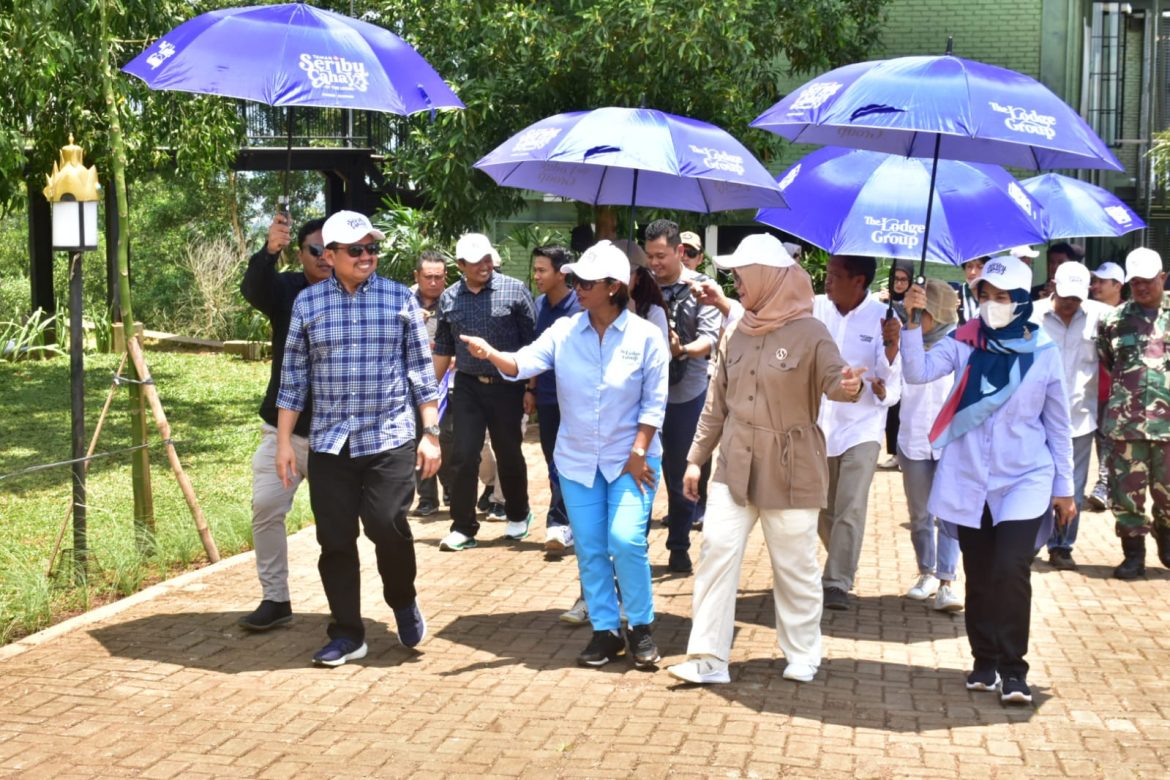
924 588
455 541
701 671
518 529
800 672
557 539
947 601
577 615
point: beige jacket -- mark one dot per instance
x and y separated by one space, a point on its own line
761 410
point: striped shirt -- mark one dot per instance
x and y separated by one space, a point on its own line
502 313
368 360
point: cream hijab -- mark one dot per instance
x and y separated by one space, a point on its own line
773 297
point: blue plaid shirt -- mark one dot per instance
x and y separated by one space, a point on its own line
368 360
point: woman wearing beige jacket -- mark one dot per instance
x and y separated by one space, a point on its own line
773 368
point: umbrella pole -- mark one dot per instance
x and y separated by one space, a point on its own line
633 208
921 279
288 121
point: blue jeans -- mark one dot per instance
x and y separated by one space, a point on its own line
549 417
937 553
1065 538
609 527
678 432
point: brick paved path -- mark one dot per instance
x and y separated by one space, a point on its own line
164 684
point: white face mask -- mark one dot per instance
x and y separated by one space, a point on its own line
997 315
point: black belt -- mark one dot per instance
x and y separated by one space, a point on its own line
486 379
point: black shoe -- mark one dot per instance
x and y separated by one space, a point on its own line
680 562
642 646
1014 690
1134 565
835 598
697 524
424 509
983 679
269 614
1162 539
485 499
605 646
1061 560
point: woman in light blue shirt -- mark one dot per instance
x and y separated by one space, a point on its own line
611 372
1006 456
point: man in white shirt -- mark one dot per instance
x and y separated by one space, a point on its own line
853 431
1071 320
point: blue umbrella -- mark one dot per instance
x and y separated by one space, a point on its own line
635 157
1076 208
293 55
856 202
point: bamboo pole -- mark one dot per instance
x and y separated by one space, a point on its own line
164 429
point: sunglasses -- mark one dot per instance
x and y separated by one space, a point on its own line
588 284
357 250
692 253
316 250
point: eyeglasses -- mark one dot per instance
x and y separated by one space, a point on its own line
585 284
356 250
316 250
692 253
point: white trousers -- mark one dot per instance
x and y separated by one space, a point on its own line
271 502
791 536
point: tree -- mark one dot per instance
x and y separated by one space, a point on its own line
514 62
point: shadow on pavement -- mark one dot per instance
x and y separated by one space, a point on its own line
213 641
871 694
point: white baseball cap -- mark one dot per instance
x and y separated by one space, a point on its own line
1020 252
795 250
757 249
690 239
603 260
346 227
1007 273
497 261
473 248
1110 271
1142 263
1072 280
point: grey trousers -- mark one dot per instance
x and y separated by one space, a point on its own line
841 524
271 502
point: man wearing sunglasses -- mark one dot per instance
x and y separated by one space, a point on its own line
358 342
500 310
272 293
692 250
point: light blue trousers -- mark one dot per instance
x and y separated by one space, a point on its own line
937 553
609 530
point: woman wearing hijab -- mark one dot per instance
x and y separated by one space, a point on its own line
773 368
611 371
937 552
900 275
1006 454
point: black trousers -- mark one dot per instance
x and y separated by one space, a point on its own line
428 489
997 560
497 408
893 424
379 489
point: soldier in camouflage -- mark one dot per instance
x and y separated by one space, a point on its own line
1132 345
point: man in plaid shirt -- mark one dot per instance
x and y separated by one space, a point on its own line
359 341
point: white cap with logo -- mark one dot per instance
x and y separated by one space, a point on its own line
1142 263
603 260
473 248
757 249
348 227
1020 252
1007 273
1072 280
1110 271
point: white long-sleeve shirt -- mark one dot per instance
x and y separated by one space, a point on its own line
858 336
1077 342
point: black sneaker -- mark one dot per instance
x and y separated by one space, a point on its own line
983 680
605 646
1061 560
424 509
485 499
269 614
1015 690
837 599
680 562
642 647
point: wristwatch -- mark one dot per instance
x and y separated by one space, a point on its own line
639 451
432 430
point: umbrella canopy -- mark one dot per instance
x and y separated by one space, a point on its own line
635 157
1076 208
974 111
856 202
293 55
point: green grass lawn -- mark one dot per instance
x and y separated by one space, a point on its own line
211 403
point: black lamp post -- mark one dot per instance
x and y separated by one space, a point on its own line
73 190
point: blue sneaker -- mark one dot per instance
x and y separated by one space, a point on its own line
412 626
338 651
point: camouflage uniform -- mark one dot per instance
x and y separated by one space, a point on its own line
1133 349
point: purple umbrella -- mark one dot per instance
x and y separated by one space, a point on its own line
1077 208
856 202
635 157
293 55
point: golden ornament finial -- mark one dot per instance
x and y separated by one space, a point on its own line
71 177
